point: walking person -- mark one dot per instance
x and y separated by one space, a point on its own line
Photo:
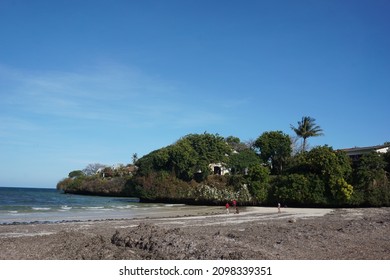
235 206
278 207
227 207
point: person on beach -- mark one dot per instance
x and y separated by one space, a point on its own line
278 207
235 207
227 207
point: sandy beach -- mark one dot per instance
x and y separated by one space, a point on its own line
209 233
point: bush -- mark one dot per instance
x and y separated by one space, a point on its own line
341 190
370 181
292 189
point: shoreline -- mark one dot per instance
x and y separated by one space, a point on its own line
53 217
175 211
255 233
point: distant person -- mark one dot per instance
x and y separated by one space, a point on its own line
227 207
235 207
278 207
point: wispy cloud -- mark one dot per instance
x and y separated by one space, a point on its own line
10 125
109 93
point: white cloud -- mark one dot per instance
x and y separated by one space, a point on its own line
110 94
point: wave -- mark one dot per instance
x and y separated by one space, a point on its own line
125 207
41 208
94 208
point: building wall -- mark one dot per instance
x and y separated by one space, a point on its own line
218 169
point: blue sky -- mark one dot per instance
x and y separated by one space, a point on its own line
96 81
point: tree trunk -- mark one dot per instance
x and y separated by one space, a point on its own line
304 145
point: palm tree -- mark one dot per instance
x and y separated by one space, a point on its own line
307 128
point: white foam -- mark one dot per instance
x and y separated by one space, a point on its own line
124 207
41 208
93 208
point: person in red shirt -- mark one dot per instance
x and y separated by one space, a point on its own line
227 207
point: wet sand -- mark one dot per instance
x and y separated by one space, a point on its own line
209 233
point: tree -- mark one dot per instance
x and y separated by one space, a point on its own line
134 158
236 144
331 167
183 160
209 147
154 161
371 181
189 155
75 174
259 180
307 128
240 162
275 148
292 189
325 161
92 168
296 145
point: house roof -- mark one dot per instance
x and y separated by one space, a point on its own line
365 149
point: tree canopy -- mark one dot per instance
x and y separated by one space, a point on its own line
275 149
307 128
189 155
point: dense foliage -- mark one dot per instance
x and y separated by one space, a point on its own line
317 177
371 180
275 149
190 155
265 173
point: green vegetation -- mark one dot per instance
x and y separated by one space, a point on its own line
275 149
210 169
307 128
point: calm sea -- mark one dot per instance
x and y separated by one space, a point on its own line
27 205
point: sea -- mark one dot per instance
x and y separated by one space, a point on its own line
42 205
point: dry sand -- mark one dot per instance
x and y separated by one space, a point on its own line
209 233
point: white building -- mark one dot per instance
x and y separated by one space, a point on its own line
218 168
356 152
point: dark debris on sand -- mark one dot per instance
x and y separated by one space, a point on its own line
343 234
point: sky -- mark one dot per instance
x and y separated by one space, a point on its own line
96 81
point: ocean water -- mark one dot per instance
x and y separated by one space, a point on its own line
29 205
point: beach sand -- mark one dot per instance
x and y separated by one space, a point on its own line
208 233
